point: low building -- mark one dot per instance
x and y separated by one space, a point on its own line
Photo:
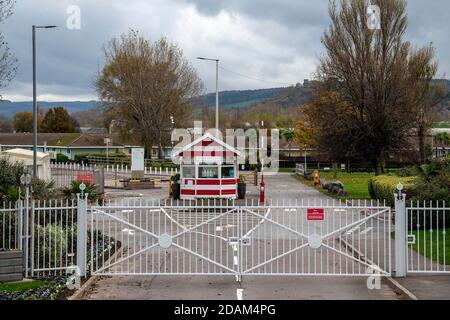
26 158
68 144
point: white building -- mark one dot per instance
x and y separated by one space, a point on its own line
26 158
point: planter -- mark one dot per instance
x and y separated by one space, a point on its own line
11 266
242 189
176 191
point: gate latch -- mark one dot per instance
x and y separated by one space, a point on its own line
245 241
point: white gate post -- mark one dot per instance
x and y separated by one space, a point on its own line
81 232
400 232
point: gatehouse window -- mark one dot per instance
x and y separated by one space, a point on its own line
207 172
228 172
189 172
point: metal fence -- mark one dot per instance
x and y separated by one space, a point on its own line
9 226
48 234
220 238
64 174
125 169
428 237
53 236
224 237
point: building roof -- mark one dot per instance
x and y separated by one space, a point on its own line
23 153
207 144
59 140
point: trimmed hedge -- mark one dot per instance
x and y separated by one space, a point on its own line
62 158
383 187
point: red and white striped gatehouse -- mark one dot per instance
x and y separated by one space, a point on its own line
208 169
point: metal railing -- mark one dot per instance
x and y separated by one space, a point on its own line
64 174
9 226
221 237
227 237
428 237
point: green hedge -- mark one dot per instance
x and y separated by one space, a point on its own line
62 158
113 157
384 187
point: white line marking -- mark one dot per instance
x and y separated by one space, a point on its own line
236 262
129 231
240 294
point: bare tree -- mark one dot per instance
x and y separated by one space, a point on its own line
426 94
146 83
8 62
371 72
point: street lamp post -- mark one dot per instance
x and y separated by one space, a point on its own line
217 88
35 115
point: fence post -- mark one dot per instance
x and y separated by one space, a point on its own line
19 236
26 229
400 232
81 232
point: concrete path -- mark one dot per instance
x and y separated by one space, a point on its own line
427 287
226 288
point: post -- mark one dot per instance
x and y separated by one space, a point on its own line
20 225
217 96
35 116
26 227
81 232
306 170
400 232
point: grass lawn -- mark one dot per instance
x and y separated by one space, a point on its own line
356 184
21 286
444 124
432 246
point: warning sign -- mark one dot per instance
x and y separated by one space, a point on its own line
315 214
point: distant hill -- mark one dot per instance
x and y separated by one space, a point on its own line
237 98
9 108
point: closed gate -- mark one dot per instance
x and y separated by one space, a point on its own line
427 237
226 239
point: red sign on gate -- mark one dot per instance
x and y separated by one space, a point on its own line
315 214
86 178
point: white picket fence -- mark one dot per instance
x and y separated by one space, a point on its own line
118 168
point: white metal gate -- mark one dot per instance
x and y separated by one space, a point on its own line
427 226
225 239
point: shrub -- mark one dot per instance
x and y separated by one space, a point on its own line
383 187
42 190
113 157
74 189
51 252
175 178
10 179
434 188
62 158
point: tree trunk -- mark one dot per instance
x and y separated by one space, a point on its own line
334 170
422 147
160 148
377 166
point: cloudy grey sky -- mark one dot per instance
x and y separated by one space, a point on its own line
273 40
